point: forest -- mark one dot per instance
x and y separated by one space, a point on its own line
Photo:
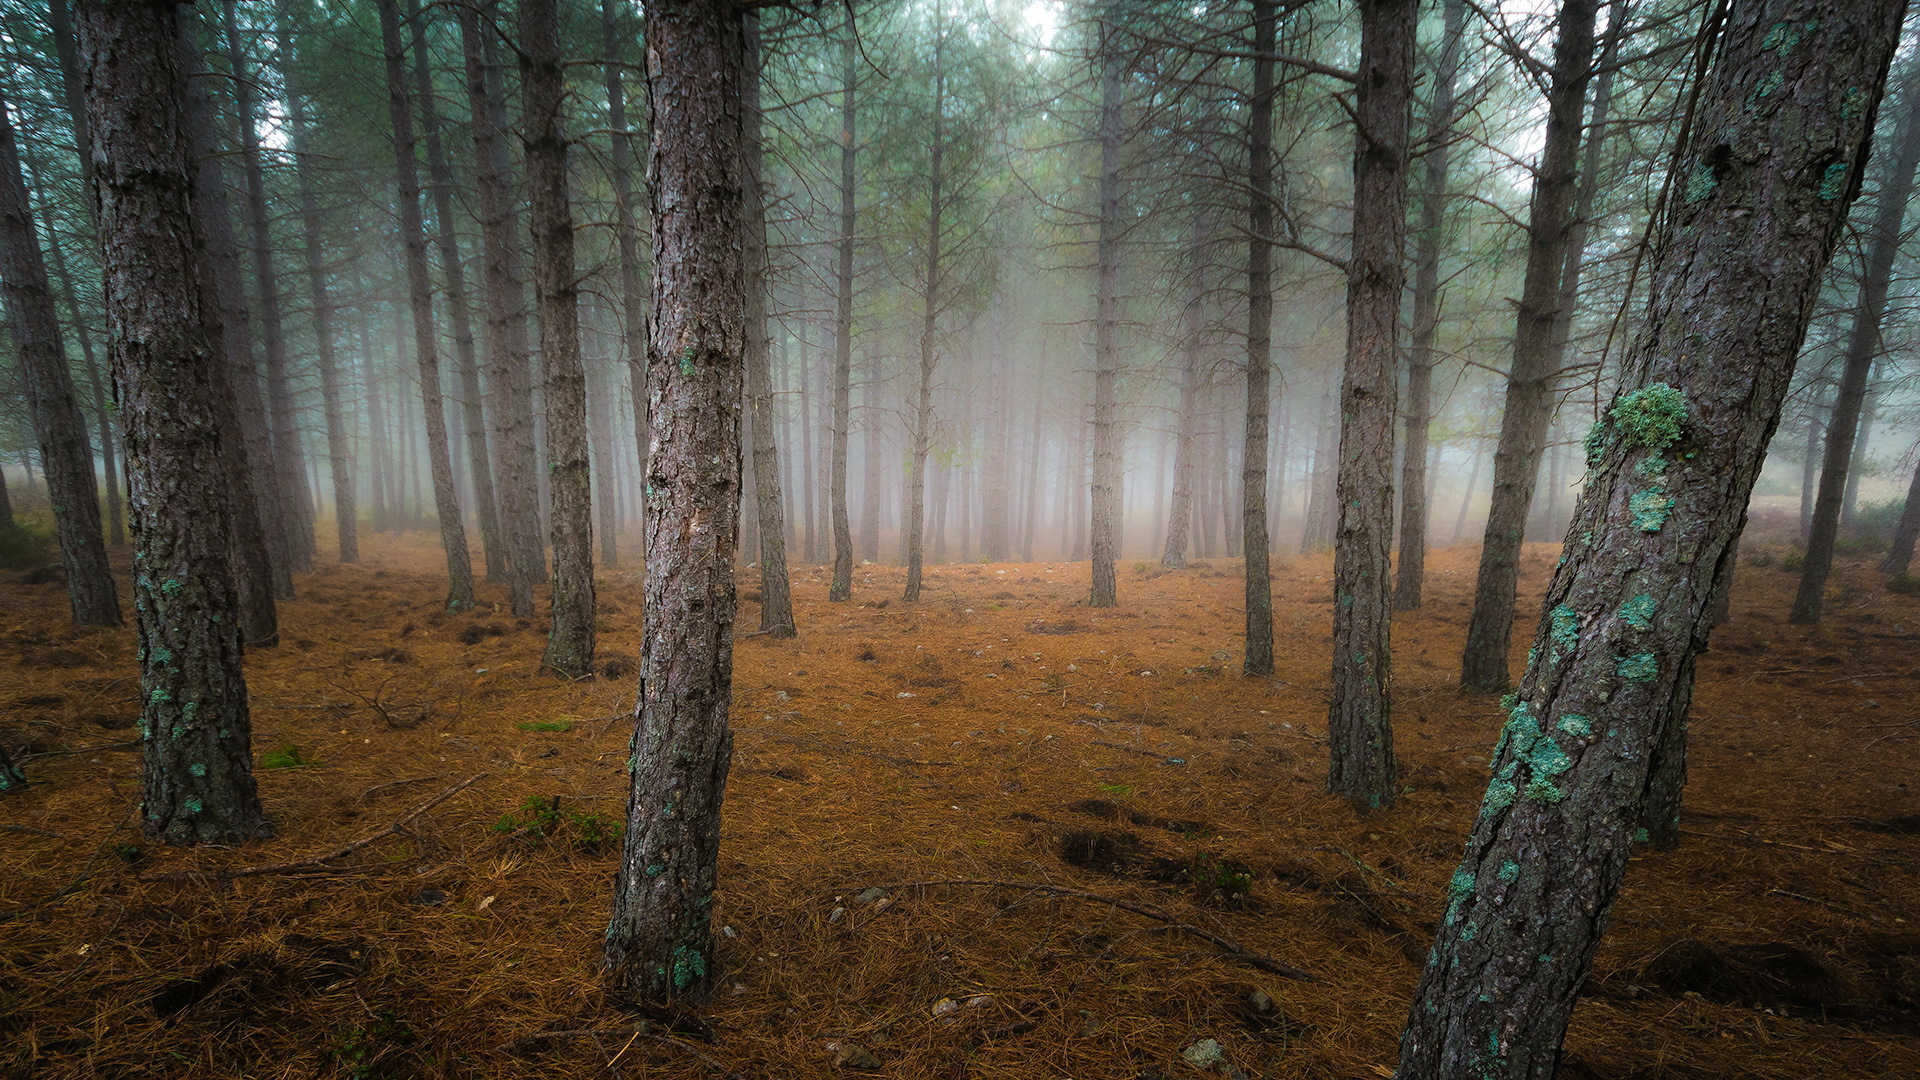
1325 539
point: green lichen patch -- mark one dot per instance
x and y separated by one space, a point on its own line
688 965
1639 611
1500 795
1650 508
1640 667
1461 884
1700 183
1576 725
1651 416
1833 182
1564 631
1525 744
1509 870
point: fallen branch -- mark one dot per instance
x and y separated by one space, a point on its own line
630 1034
318 862
1221 941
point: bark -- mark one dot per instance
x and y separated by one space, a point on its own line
660 941
376 418
1864 348
1253 458
929 317
1429 237
426 347
841 587
1857 465
1104 509
1529 401
65 453
776 590
1186 438
1360 725
1900 554
196 781
517 506
245 448
1736 270
569 476
1317 530
809 544
633 290
290 517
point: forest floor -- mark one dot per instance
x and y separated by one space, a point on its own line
999 730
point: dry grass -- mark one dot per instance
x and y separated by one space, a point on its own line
996 730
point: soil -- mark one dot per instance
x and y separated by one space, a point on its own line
997 731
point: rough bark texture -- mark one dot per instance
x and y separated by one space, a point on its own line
426 346
776 592
196 780
660 942
1529 401
569 476
1429 237
929 319
1864 348
65 452
1762 192
1360 725
841 587
1253 459
1105 505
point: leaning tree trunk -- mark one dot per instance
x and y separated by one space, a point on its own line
1529 403
569 479
1360 722
65 452
1863 349
776 590
1781 133
1253 458
1105 505
929 316
1900 555
196 778
659 945
426 346
633 290
1428 240
841 587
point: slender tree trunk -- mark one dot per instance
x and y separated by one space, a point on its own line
842 585
1857 465
1864 346
776 589
602 392
1253 457
569 478
1360 723
1318 531
1032 513
929 316
1900 555
1185 445
376 421
659 945
1429 237
1529 402
65 452
426 347
871 490
1105 508
196 780
1676 459
809 543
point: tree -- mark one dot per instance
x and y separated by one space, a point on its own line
570 642
1779 142
426 346
1105 506
196 779
1253 460
1529 409
1900 553
842 585
659 945
930 304
633 298
65 453
776 592
1360 724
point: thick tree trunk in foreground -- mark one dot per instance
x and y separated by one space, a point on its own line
1864 347
1360 722
1779 142
1529 402
660 941
426 346
1105 505
569 479
196 778
776 590
1253 459
842 585
65 452
1429 237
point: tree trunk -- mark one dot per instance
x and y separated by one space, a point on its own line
569 477
1529 403
660 941
1253 457
809 544
426 346
507 362
842 585
1674 463
1186 437
1360 725
1429 237
929 315
633 296
871 492
1104 509
1900 555
65 452
1028 519
776 589
196 779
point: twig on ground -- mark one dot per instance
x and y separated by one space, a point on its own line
395 785
641 1032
